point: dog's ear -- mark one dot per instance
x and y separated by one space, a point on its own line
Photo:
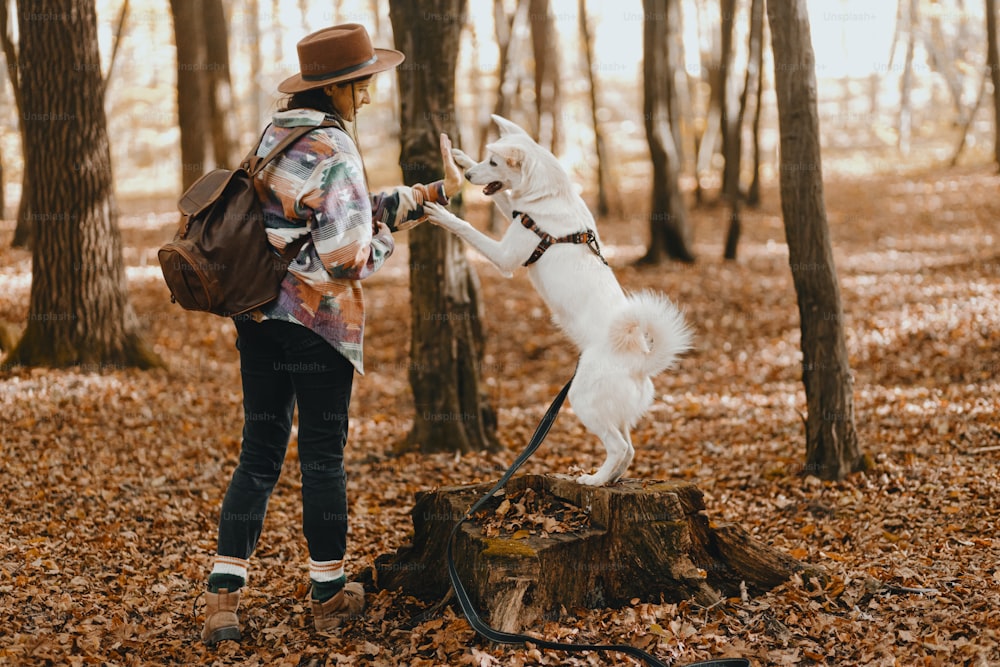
506 126
512 155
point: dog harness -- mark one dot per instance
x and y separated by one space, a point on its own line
588 237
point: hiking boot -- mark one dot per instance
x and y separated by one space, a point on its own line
348 603
221 621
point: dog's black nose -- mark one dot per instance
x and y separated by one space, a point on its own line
467 177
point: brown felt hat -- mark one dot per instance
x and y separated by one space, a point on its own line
340 53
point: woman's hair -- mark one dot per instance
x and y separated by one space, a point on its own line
316 98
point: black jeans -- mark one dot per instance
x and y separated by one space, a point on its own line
282 364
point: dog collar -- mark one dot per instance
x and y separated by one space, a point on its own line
587 237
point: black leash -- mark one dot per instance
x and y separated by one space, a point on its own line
500 637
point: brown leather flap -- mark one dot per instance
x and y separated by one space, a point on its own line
204 191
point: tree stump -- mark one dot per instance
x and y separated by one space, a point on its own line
579 546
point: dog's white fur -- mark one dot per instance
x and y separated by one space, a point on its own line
623 339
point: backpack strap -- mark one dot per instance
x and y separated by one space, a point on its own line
253 163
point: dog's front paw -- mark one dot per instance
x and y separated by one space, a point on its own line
462 159
441 216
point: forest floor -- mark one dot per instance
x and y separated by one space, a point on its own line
112 478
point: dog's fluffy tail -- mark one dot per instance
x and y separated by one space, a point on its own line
648 333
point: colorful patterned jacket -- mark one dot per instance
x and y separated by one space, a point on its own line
317 187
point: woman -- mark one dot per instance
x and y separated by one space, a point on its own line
303 348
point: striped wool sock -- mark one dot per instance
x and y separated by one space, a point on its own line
227 573
327 578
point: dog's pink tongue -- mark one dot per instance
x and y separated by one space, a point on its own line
492 188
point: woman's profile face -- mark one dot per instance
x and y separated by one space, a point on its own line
349 97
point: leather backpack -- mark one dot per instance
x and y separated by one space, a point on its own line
220 260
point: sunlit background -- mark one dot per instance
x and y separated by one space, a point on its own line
859 63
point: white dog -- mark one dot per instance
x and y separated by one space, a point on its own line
623 339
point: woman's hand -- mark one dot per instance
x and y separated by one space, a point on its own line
453 176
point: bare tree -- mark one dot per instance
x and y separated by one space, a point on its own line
252 33
757 69
831 440
728 129
734 134
731 121
993 64
707 140
79 311
604 176
222 126
22 232
905 125
503 22
446 345
192 88
508 81
970 117
668 221
545 47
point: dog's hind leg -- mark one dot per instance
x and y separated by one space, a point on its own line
629 455
618 456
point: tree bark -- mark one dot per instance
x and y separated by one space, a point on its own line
221 119
505 27
905 125
711 60
604 176
970 117
550 543
22 230
251 30
545 48
757 56
734 142
728 129
831 440
993 62
732 128
446 348
670 235
79 312
192 88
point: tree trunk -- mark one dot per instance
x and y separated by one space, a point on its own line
550 543
732 128
545 47
906 83
446 348
604 176
993 62
734 144
119 36
79 312
221 119
192 88
668 222
945 55
22 231
728 129
708 142
831 440
258 97
970 117
505 28
757 56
